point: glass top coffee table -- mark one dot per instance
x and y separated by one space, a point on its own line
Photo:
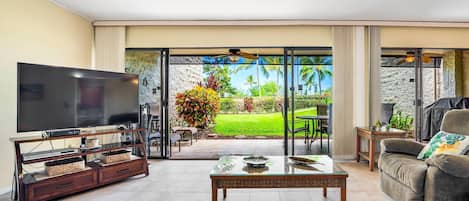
279 172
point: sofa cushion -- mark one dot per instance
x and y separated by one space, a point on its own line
445 143
404 168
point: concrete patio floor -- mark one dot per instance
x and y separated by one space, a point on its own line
214 148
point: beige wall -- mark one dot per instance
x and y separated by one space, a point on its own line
35 31
228 36
425 37
110 48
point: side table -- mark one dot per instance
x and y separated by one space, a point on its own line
373 136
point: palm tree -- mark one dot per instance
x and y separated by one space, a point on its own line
275 66
259 69
319 71
250 81
308 75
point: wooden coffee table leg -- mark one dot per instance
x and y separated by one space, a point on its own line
224 193
214 191
324 192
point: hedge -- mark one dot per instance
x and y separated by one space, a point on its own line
268 104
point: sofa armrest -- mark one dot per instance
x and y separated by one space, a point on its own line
455 165
401 146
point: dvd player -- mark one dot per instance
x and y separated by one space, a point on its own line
49 153
59 133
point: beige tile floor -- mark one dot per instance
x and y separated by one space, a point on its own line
188 180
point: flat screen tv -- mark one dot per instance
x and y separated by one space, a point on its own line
52 97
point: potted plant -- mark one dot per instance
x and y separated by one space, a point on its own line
403 122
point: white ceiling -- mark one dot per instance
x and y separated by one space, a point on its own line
387 10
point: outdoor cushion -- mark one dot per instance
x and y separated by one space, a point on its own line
445 143
404 168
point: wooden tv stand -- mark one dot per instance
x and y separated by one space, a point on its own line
38 186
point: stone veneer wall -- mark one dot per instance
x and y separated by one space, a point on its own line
181 77
437 82
147 65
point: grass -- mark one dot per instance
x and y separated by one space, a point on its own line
270 124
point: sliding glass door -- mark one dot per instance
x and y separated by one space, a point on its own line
151 65
411 80
307 101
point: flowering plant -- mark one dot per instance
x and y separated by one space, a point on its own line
248 104
198 106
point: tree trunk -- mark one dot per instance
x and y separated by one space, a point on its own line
319 84
258 80
278 84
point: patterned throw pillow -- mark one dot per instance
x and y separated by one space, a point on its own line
445 143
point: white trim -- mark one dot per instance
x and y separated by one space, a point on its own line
278 23
5 190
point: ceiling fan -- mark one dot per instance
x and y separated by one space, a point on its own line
410 57
235 54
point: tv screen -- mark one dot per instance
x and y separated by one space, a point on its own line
52 97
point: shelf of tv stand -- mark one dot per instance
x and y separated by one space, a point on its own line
104 148
53 187
42 175
81 135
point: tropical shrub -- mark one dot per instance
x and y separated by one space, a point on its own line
227 104
264 104
248 104
211 82
198 106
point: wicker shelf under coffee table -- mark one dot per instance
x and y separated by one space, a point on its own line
232 172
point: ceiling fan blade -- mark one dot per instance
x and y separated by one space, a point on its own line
433 54
247 55
426 59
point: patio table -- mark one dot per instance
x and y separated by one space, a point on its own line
317 121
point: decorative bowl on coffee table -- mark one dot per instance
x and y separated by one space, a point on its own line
256 161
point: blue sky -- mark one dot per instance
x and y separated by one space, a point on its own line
238 80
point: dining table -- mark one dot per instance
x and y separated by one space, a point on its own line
317 122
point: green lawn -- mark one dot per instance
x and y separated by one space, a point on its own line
270 124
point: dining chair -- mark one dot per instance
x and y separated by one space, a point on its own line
324 126
304 125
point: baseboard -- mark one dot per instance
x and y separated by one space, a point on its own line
5 190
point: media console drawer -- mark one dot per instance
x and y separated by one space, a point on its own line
62 185
121 171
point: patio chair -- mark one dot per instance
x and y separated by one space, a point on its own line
304 128
329 128
323 127
154 136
